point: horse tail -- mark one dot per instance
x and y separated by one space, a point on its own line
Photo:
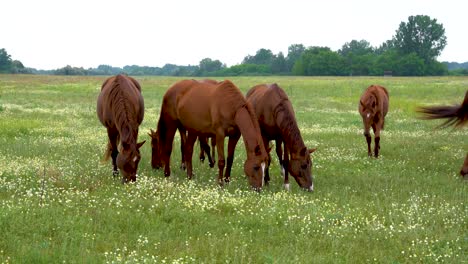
108 152
456 115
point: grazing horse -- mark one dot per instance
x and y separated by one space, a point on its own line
456 115
373 107
156 159
278 122
212 109
120 108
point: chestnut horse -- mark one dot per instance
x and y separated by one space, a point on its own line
456 115
373 107
219 110
120 108
156 160
278 122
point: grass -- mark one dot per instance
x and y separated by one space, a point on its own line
60 203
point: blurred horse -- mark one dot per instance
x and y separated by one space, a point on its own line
120 108
278 122
456 115
211 109
373 107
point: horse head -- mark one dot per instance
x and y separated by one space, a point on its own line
300 167
128 159
254 168
368 108
156 149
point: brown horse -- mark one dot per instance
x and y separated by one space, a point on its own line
456 115
219 110
373 107
278 122
120 108
156 159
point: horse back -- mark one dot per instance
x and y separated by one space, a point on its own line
120 94
266 100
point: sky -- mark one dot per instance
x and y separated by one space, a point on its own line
50 34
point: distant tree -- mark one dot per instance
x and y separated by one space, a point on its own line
319 61
359 57
5 61
208 66
421 35
361 47
294 53
279 65
263 56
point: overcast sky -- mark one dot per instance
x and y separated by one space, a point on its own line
50 34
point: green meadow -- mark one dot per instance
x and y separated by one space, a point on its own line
59 203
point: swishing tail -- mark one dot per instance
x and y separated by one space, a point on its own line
456 115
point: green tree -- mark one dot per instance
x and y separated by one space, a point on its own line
319 61
263 56
278 65
358 56
294 53
421 35
5 61
208 65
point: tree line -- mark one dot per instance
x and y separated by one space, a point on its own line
412 51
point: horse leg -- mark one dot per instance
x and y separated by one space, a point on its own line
192 137
279 153
376 129
221 161
230 158
169 139
266 178
204 147
285 167
183 141
213 150
202 151
112 148
464 169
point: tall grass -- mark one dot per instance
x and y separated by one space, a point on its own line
60 203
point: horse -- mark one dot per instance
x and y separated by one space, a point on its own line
278 122
216 110
156 159
456 115
120 108
373 107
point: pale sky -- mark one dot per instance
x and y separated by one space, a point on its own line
50 34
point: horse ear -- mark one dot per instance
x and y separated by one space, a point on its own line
140 144
303 151
361 103
257 151
312 150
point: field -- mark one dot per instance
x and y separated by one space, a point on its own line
60 203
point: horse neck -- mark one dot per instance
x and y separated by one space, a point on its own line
287 124
128 135
249 129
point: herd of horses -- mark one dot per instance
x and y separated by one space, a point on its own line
211 110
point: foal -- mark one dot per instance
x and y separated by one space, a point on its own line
373 107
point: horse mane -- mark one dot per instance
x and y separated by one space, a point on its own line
457 115
287 124
124 113
231 95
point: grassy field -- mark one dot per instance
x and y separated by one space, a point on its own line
60 203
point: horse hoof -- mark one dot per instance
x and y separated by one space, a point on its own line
212 165
115 173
